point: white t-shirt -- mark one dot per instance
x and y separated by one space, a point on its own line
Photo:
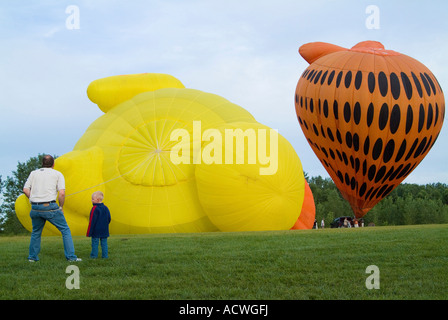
44 184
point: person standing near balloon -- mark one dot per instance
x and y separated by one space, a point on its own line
99 225
42 187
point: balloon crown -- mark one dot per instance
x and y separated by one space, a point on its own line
315 50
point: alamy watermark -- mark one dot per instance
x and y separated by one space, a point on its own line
373 20
72 281
234 144
73 21
373 280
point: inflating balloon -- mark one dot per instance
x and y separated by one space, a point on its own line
243 197
142 154
144 189
371 115
308 212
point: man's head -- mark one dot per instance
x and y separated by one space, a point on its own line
47 161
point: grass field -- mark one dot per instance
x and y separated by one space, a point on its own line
320 264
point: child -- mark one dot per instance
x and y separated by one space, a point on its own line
99 225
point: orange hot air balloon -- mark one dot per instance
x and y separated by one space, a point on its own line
308 212
370 115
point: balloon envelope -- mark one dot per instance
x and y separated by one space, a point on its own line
370 115
127 154
308 212
152 154
144 189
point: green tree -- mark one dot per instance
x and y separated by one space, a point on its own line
1 211
11 188
328 200
406 204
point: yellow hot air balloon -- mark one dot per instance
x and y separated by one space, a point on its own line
154 155
145 191
126 153
251 179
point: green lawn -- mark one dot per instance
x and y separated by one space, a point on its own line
319 264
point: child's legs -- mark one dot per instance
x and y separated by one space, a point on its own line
94 253
104 249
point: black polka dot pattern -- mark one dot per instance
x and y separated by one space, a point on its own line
369 129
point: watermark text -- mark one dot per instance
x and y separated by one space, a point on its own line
237 146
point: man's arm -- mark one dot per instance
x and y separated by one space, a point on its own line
61 197
27 192
27 186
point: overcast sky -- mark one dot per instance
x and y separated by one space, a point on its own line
245 51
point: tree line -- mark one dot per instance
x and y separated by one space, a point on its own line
407 204
10 189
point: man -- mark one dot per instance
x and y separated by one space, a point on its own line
42 188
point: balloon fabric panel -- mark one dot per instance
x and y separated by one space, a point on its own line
308 211
236 197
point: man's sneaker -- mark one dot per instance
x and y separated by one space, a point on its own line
31 260
75 260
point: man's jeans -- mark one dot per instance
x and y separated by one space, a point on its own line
39 215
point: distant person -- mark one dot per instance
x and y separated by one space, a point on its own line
347 223
99 225
322 223
42 187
